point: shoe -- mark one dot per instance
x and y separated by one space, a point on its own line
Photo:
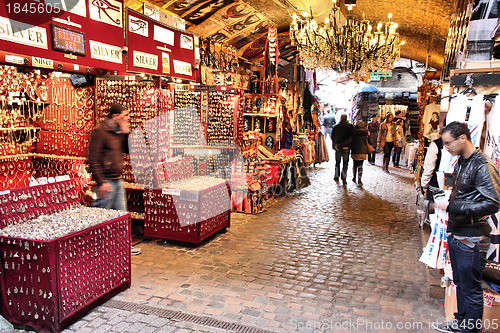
354 180
135 251
372 163
336 179
360 182
449 326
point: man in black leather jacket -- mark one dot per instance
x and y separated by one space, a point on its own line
475 196
341 139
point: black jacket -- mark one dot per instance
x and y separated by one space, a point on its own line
475 196
342 135
359 144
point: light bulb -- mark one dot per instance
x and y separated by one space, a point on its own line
349 8
327 20
403 42
379 26
390 15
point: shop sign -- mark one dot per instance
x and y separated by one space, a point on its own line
165 62
138 26
77 7
42 62
23 33
145 60
67 40
105 52
376 76
163 35
170 191
189 196
181 67
14 59
186 42
109 11
151 11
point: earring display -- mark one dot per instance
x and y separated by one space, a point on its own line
220 117
188 215
187 118
64 258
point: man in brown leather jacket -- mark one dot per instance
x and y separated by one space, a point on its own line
475 196
108 142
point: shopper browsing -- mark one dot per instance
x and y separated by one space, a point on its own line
475 196
108 142
386 137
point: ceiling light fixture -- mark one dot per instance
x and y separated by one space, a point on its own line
349 47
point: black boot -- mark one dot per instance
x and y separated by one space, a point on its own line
360 174
354 169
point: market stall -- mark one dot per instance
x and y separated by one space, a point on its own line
59 259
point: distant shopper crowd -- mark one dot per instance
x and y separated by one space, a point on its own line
361 141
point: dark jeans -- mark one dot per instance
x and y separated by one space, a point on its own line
396 157
388 149
341 154
468 265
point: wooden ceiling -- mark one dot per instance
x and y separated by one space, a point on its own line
423 24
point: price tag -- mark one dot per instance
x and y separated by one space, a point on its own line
170 191
51 180
60 179
5 192
43 181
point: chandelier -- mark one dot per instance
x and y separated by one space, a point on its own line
347 47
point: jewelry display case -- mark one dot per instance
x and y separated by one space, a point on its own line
51 274
188 215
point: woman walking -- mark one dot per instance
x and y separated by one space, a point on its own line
399 143
359 150
386 137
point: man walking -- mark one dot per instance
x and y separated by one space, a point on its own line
373 127
108 142
475 196
342 137
328 123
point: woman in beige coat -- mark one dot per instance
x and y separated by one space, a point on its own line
386 139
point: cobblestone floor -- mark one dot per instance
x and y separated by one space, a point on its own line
329 258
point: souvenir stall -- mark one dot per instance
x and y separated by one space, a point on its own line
195 167
47 277
47 101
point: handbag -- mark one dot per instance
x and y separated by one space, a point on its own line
491 272
369 146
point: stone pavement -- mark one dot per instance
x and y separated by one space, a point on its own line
328 258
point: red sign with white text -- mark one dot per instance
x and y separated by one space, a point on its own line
64 31
158 49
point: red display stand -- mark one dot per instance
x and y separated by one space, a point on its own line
49 284
187 216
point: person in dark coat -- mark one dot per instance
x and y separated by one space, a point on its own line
359 150
341 136
373 127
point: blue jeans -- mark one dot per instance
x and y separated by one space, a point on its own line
341 154
468 265
115 199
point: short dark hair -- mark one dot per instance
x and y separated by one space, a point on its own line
343 117
456 129
115 109
374 115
